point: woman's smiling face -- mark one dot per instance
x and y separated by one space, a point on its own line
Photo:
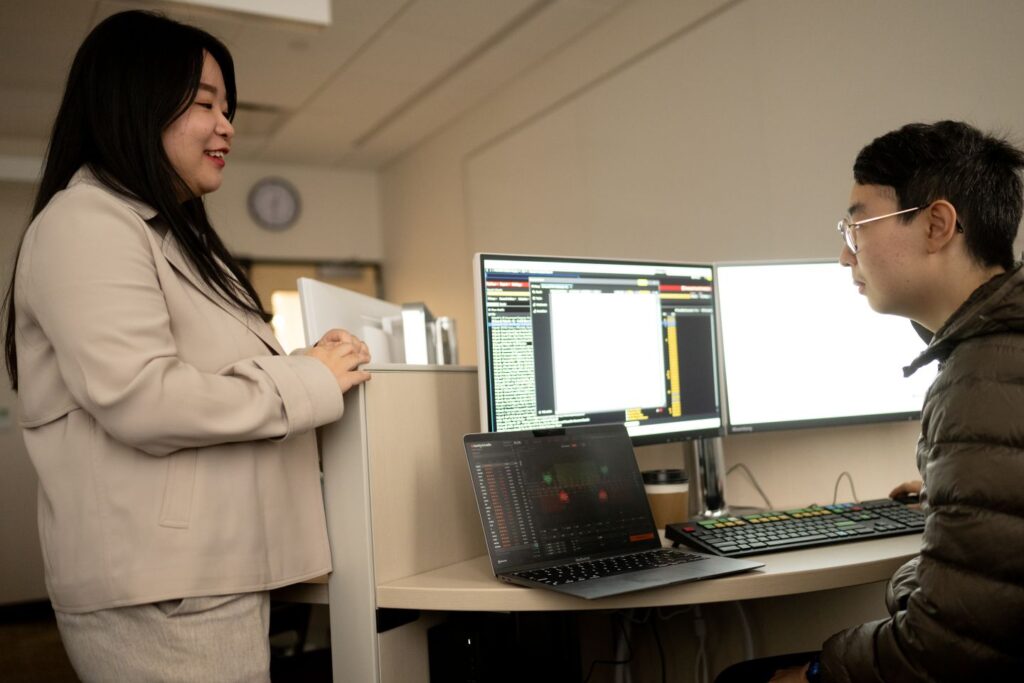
198 140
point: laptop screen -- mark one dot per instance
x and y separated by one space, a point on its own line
560 495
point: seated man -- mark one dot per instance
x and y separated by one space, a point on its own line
933 216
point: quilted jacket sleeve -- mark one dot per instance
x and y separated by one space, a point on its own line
959 614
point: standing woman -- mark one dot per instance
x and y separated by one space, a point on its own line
172 437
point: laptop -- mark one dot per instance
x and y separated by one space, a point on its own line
565 509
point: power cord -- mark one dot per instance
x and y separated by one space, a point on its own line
674 613
748 637
700 662
753 481
661 651
853 490
613 662
700 672
637 620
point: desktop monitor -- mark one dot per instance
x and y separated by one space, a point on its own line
566 341
801 348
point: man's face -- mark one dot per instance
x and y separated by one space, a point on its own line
889 252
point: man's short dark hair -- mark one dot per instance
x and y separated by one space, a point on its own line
977 173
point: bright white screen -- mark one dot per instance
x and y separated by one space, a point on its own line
580 342
799 343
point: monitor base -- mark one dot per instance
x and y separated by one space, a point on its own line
705 465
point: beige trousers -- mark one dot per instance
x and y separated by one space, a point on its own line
205 639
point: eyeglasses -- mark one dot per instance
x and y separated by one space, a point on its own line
846 227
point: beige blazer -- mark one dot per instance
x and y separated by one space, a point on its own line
172 437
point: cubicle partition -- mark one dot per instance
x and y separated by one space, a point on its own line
399 504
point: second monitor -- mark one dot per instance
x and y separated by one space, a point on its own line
801 348
574 341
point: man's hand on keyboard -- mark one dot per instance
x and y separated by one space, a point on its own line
795 674
908 492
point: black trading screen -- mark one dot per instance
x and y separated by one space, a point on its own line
570 341
559 497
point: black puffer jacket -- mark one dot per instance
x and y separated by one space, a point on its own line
958 609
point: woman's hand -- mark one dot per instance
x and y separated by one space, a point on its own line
338 336
342 353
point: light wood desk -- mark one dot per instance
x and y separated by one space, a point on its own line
471 585
405 533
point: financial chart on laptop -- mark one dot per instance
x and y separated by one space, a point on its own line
542 499
565 509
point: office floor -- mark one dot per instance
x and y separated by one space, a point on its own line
31 650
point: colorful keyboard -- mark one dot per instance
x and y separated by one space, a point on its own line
772 531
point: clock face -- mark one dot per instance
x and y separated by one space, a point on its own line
274 204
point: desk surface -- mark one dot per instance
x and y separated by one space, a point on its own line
471 586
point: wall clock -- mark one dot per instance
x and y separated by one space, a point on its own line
274 204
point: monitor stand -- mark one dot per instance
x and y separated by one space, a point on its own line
705 466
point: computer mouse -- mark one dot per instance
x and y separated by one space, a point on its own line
908 498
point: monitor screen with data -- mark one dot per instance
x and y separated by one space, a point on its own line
566 341
801 348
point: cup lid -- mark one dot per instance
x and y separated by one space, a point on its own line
665 477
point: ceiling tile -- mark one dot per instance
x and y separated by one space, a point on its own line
285 66
38 40
386 73
507 59
311 138
461 21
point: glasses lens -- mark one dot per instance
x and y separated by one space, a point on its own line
846 230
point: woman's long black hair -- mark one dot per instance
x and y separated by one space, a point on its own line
133 76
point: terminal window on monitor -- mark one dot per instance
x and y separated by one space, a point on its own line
801 348
566 341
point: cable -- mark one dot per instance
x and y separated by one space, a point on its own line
628 614
753 481
661 651
624 674
835 492
700 672
748 638
675 613
613 662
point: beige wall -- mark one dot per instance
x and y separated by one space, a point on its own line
21 562
339 218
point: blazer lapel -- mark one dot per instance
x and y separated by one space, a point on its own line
177 259
173 254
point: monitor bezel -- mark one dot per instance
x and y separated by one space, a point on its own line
481 341
845 421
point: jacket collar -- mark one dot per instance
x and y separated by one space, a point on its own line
172 252
85 176
994 307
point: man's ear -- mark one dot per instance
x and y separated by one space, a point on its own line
942 225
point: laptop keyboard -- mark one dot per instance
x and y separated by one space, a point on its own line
609 566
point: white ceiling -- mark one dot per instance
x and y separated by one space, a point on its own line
382 77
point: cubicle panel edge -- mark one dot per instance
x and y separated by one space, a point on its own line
480 323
